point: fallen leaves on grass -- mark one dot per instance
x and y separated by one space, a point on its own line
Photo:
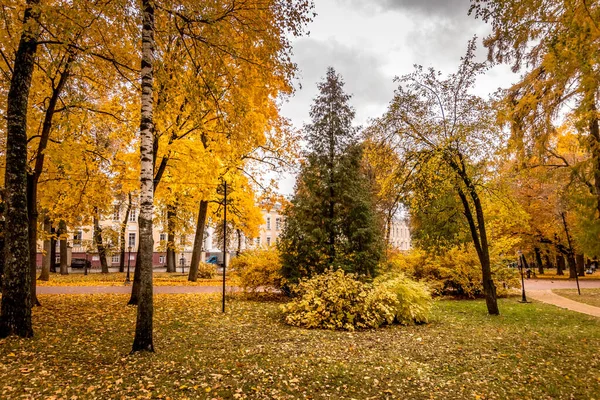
81 345
118 278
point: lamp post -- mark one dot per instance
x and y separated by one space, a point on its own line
127 280
182 262
523 297
85 272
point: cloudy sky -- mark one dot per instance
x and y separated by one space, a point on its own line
369 42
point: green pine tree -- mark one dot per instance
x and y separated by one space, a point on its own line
332 221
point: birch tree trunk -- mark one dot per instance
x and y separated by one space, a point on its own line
15 314
198 240
143 330
122 236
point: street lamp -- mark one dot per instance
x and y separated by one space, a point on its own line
127 280
521 266
182 262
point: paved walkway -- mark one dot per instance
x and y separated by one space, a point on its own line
127 289
546 296
544 284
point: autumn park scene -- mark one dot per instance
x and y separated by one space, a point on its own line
299 199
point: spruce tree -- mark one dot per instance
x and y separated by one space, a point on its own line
332 220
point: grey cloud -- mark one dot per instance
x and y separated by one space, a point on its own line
442 8
361 70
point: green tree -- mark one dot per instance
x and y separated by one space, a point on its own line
455 135
332 220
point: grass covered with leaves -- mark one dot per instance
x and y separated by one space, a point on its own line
81 346
117 279
588 296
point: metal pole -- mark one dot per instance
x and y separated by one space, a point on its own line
576 276
521 266
224 239
182 262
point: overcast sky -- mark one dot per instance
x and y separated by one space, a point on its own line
369 42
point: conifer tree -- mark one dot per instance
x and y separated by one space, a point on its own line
332 220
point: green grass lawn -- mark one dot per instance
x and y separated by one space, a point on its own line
117 279
588 296
81 349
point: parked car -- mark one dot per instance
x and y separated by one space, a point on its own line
80 263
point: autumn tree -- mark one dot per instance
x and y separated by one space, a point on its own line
556 43
439 120
332 220
15 317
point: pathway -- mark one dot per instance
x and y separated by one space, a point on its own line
127 289
546 296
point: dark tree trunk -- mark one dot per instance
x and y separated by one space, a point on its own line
32 222
122 235
62 235
198 240
2 233
560 264
572 266
143 340
15 315
580 261
478 232
52 249
47 256
538 260
595 149
171 259
548 261
135 287
100 243
239 241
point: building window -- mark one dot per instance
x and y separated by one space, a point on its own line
183 240
132 215
268 222
161 259
268 240
163 237
116 213
115 259
77 238
57 259
278 223
131 239
258 241
95 258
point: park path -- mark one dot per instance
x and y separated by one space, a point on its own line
127 289
547 296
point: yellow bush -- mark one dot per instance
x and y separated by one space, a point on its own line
258 270
456 272
338 301
206 271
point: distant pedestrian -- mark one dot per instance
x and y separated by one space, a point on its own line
528 271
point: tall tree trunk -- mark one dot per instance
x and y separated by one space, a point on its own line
52 249
47 256
171 259
32 223
62 235
143 331
15 314
2 233
122 235
479 236
560 264
571 252
239 242
538 260
595 147
198 240
100 243
580 261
